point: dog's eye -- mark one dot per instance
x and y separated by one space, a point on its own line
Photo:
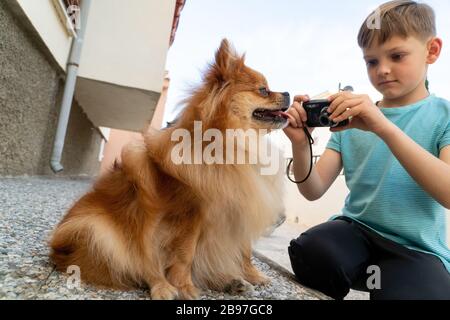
264 92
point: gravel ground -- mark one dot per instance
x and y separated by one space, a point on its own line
29 209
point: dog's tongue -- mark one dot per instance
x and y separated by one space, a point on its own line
280 114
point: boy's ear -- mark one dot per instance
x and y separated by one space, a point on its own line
434 48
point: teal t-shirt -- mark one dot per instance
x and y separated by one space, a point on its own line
383 196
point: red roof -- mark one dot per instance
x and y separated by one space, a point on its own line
176 17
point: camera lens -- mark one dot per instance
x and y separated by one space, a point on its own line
324 121
334 124
323 118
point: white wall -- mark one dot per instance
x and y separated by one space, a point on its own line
126 42
309 214
44 17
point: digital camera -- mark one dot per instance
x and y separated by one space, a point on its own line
318 116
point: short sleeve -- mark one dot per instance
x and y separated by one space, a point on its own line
335 142
445 138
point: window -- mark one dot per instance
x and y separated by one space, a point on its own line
69 14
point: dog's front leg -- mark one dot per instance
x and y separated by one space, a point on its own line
160 288
179 273
251 274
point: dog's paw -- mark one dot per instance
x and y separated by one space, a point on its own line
189 292
238 286
163 291
258 279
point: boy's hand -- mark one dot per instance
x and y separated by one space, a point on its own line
365 115
297 119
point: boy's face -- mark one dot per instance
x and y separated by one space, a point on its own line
397 67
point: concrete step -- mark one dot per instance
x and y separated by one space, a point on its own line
274 250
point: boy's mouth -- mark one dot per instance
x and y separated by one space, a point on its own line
270 115
383 83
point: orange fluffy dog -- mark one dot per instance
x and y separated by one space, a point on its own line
180 227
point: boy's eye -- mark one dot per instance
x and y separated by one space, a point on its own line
371 63
264 92
397 56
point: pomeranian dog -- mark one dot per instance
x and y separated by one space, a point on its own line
180 228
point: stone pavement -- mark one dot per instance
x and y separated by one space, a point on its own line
30 207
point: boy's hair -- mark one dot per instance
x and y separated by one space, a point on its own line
402 18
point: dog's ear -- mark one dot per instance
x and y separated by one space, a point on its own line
225 54
227 61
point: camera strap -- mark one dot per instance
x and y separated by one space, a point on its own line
288 169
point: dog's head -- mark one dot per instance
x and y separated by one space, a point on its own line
236 96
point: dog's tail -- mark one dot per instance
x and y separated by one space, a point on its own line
73 249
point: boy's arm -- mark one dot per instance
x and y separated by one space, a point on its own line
431 173
325 171
323 174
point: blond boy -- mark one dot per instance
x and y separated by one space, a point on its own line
396 158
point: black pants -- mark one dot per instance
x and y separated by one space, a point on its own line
338 255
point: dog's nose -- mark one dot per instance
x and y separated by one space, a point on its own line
287 98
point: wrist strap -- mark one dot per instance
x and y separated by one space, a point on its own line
311 142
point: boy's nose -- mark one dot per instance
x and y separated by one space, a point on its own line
384 69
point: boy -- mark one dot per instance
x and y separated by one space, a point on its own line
396 159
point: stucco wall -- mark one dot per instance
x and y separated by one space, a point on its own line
30 90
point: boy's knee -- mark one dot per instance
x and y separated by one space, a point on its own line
313 254
315 266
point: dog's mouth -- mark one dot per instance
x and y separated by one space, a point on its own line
270 115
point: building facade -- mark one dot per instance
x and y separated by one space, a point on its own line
119 85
